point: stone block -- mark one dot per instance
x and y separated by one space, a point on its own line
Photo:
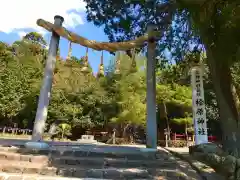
30 178
80 173
12 169
206 148
36 145
238 173
94 173
55 153
57 161
31 170
135 173
67 172
112 173
91 161
238 163
216 158
44 152
15 178
39 159
3 156
80 153
87 137
71 161
25 158
229 164
50 171
109 162
11 149
62 172
13 156
68 153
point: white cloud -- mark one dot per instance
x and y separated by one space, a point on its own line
17 15
21 33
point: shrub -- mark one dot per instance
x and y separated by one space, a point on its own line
118 141
173 143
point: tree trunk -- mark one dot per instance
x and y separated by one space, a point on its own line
163 114
186 133
229 119
125 134
236 97
168 130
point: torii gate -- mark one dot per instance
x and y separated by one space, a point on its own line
45 93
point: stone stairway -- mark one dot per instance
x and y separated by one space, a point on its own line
94 162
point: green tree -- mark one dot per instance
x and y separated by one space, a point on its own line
20 78
185 23
64 130
126 92
35 38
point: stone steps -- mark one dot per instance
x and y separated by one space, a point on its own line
76 163
135 155
105 173
109 162
40 159
24 167
13 176
98 162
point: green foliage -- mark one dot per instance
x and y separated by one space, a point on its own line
183 121
81 99
35 38
127 92
173 143
64 130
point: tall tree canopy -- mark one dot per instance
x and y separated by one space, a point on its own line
211 26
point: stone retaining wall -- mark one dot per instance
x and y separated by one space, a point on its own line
224 164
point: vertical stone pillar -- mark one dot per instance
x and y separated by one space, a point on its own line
198 104
45 93
151 131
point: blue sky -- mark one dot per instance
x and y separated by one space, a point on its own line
24 14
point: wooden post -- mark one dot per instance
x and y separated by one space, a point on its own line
45 93
166 139
114 136
151 131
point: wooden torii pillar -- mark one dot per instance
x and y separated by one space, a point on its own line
151 131
45 93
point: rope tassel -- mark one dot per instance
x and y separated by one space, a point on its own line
85 68
69 51
117 65
101 67
134 63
